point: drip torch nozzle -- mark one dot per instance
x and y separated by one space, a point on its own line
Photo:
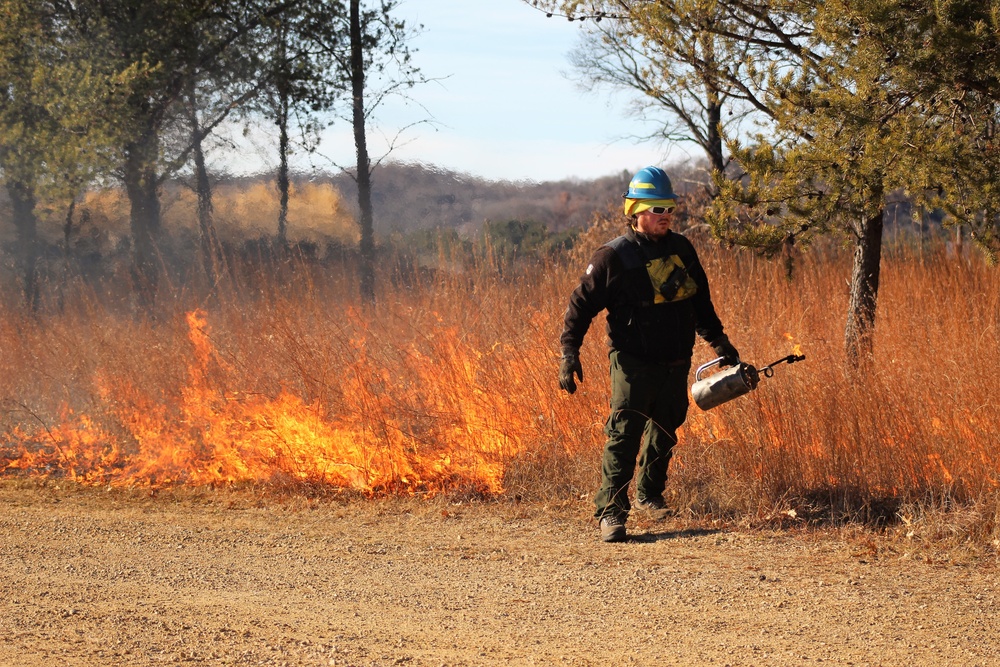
768 370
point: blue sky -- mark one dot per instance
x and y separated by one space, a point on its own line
506 105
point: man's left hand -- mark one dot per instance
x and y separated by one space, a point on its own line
723 348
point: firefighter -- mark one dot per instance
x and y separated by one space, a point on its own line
656 295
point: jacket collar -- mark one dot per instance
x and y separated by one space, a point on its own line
644 240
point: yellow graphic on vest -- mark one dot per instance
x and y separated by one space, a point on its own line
670 279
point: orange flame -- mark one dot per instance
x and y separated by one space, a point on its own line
214 438
796 347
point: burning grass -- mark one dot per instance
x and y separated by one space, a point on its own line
448 386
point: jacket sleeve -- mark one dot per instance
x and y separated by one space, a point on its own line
708 325
588 299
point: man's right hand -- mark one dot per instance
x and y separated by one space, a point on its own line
569 366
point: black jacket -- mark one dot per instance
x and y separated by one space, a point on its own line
654 309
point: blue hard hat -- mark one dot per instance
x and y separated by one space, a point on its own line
650 183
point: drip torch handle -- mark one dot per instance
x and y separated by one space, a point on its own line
706 366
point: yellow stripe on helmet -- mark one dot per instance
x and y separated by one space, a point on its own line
633 206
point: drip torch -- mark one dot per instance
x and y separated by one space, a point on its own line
733 382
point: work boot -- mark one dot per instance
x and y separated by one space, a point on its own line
654 507
613 528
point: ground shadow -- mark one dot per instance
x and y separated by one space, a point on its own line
673 535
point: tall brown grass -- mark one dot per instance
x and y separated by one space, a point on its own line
465 362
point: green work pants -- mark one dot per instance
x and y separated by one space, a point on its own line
648 403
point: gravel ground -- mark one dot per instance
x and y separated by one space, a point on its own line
125 578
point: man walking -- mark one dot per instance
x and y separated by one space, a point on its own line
656 293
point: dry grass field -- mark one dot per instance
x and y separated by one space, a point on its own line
448 386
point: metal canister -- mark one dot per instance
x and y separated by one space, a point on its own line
723 386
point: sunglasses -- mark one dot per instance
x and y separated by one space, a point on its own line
660 210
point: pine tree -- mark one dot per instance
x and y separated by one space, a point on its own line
58 101
856 99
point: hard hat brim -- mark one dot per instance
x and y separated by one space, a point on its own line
634 205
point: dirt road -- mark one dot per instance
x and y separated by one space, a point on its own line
93 578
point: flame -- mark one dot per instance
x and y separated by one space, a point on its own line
796 347
214 437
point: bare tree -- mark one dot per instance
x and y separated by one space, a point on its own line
376 64
676 71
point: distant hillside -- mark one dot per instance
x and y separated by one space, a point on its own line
409 197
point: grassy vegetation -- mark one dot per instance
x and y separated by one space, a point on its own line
241 209
449 386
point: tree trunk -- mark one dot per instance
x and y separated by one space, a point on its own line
713 109
203 188
22 200
206 226
67 253
141 186
859 334
283 181
283 108
367 269
716 155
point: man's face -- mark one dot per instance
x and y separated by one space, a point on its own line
653 225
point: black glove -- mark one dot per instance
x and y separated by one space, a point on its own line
569 365
723 348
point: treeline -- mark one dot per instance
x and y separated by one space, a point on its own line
132 92
421 213
419 210
415 208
